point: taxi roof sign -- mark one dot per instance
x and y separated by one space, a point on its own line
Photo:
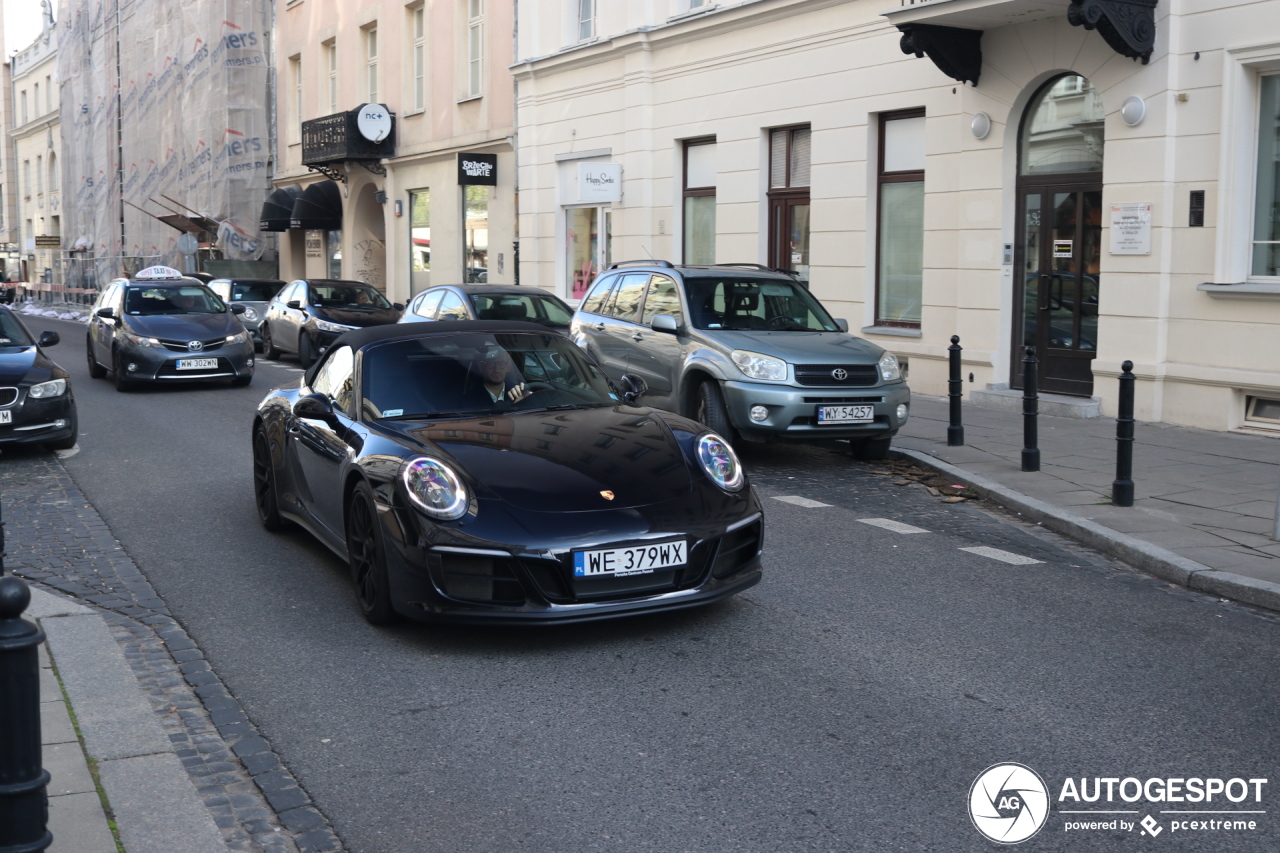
158 272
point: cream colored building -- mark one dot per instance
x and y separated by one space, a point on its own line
34 169
398 215
1098 180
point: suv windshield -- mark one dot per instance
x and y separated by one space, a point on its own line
345 296
11 332
254 291
748 304
468 375
172 299
533 308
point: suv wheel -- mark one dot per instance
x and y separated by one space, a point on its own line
711 410
870 449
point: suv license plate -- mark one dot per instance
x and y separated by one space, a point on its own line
846 414
624 562
197 363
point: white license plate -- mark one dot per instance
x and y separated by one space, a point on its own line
197 363
6 416
624 562
846 414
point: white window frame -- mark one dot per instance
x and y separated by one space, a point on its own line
371 63
26 180
418 31
55 182
35 99
48 93
475 48
295 66
25 114
585 20
331 58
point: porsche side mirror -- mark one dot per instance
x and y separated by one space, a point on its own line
48 339
664 323
398 306
236 309
106 313
633 387
842 325
316 407
294 304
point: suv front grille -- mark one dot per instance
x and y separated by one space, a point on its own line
854 375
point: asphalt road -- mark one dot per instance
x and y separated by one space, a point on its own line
846 703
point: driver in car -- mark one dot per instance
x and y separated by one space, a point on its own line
495 368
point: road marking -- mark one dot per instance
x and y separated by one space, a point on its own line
895 526
799 501
1002 556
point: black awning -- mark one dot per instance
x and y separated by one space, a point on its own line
277 210
319 208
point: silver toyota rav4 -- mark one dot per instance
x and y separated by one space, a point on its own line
744 349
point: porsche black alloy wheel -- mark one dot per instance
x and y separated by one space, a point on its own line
96 371
364 555
712 411
269 350
264 484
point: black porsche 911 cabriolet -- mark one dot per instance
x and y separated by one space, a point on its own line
485 471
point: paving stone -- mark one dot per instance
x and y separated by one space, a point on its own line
79 825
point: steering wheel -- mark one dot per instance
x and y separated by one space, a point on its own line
776 317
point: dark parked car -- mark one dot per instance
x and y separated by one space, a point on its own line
254 294
163 326
307 316
489 472
744 349
36 403
489 302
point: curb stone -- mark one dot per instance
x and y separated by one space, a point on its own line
1153 559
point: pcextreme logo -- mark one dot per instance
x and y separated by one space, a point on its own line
1009 803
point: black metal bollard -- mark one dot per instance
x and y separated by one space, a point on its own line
955 387
1122 488
1030 412
24 802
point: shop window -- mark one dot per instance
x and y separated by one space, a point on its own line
1263 413
900 219
700 201
587 246
1266 216
476 261
789 200
419 240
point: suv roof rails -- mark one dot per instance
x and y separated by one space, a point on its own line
648 262
748 266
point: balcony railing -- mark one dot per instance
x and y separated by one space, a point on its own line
335 138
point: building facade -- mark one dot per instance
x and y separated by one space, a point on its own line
434 200
35 166
1096 179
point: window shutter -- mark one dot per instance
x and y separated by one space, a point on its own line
778 159
800 157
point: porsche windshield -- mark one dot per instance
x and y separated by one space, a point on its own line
346 296
755 304
172 299
468 375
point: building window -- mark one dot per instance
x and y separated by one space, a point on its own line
588 246
475 47
26 180
35 99
331 57
586 19
419 240
419 58
1262 413
53 172
295 68
475 261
39 175
48 93
371 63
1266 216
24 106
789 200
700 201
900 219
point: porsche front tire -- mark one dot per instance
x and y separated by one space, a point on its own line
367 559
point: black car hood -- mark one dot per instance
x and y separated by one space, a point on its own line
562 461
359 317
17 362
183 327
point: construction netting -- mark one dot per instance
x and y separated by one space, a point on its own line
165 113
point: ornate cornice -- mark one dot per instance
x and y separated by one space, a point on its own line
956 52
1129 26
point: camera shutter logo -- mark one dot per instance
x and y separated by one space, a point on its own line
1008 803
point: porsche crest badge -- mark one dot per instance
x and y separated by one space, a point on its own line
607 495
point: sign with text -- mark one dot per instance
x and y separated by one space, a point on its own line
48 241
478 170
1131 228
600 182
315 244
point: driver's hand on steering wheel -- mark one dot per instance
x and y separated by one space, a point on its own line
517 393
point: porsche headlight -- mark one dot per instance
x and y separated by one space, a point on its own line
326 326
757 366
889 370
435 488
720 462
249 314
45 390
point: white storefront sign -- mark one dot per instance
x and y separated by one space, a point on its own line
1131 228
600 182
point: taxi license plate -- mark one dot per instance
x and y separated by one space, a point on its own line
197 363
6 416
624 562
846 414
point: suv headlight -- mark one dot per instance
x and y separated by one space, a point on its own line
139 340
435 489
757 366
45 390
889 370
326 326
249 314
238 338
720 462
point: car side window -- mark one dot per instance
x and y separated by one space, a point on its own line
428 302
625 298
595 299
336 379
108 295
663 298
451 307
